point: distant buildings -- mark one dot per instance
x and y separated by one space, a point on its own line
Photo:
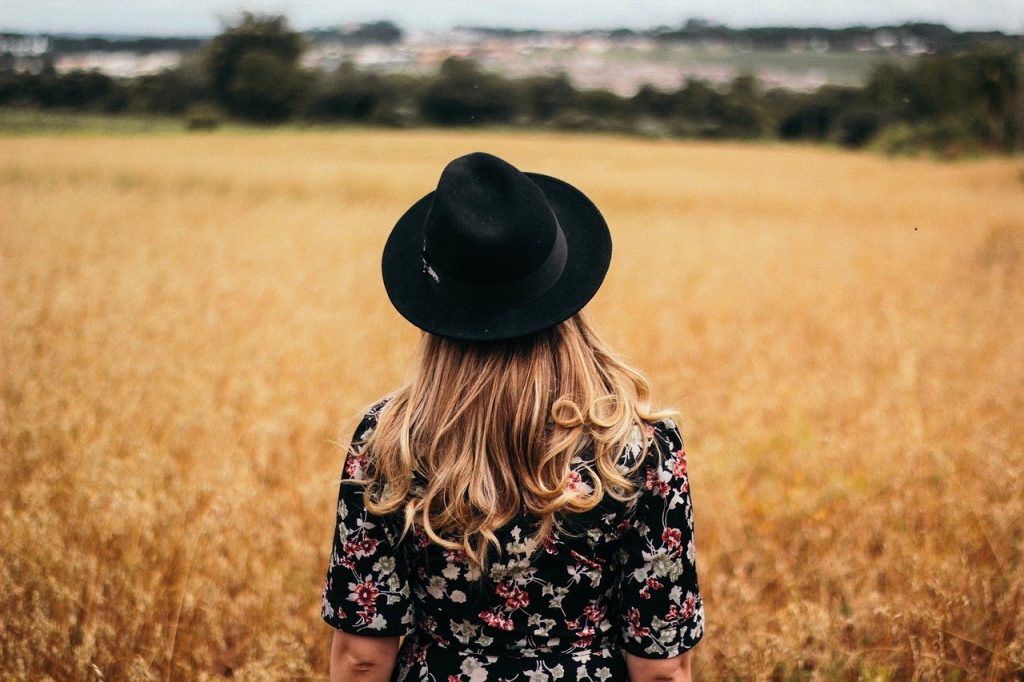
118 64
620 61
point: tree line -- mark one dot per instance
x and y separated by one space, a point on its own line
952 103
937 38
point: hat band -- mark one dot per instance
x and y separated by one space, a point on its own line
494 296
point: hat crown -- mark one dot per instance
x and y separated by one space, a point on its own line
495 253
489 223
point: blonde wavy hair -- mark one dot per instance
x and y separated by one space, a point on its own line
491 428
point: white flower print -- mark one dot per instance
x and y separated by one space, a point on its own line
385 564
664 565
475 669
436 587
541 626
464 630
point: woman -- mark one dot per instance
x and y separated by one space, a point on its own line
517 511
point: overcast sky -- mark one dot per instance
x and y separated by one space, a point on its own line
204 17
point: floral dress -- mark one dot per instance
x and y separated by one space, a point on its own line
620 577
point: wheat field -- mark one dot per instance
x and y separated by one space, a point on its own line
190 324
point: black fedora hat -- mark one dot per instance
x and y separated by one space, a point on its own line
495 253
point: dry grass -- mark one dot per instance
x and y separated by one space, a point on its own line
188 321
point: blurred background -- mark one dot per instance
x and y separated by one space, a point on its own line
951 84
818 217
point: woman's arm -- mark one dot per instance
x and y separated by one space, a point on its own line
355 658
675 669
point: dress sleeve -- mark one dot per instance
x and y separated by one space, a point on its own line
661 611
366 591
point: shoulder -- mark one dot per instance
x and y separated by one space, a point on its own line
667 435
356 455
651 446
368 420
666 455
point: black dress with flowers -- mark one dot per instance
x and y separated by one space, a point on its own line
617 578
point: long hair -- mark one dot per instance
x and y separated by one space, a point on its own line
490 429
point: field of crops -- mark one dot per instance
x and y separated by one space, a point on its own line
190 323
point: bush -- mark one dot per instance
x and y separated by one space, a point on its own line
544 97
171 91
463 94
203 117
949 138
857 126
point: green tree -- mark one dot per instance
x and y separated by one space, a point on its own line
349 94
742 112
464 94
172 91
546 96
650 101
254 68
998 83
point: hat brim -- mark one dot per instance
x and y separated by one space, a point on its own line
589 248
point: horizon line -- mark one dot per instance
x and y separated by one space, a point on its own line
115 35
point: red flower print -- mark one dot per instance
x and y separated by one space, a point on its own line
594 614
585 637
516 599
496 620
635 629
652 583
422 540
365 593
549 544
673 613
673 538
659 487
454 678
679 470
689 606
594 563
354 465
368 545
574 480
